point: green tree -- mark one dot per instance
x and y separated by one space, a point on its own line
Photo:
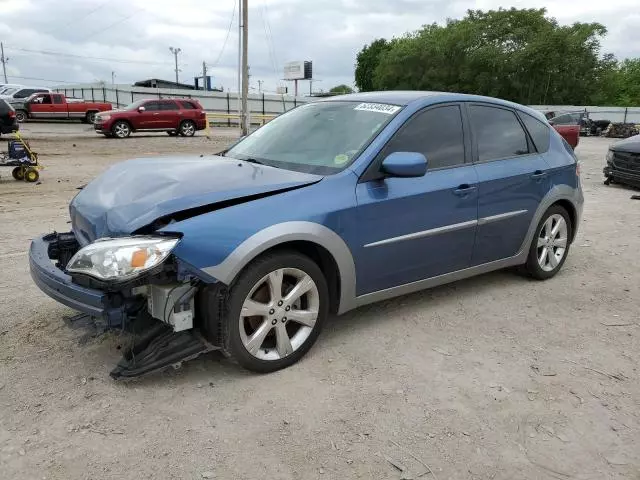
366 63
341 89
516 54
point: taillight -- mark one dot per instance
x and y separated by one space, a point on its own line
577 169
12 114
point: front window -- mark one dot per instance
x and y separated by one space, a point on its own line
322 138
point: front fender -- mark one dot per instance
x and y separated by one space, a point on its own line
283 233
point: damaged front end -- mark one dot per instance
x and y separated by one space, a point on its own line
161 298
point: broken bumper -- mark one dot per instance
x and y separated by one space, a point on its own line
59 286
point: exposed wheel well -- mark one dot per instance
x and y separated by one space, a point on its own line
122 121
571 210
323 259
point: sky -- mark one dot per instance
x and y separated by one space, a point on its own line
53 42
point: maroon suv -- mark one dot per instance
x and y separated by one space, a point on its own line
174 116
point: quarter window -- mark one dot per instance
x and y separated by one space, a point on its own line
187 105
498 133
538 130
437 133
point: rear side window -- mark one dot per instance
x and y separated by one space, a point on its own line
564 120
57 99
498 133
188 105
168 105
437 133
538 130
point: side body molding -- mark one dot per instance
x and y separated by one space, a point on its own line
291 232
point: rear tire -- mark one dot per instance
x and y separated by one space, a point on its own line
187 128
90 117
121 129
17 173
268 341
550 244
21 116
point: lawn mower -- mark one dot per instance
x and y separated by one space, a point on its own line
23 160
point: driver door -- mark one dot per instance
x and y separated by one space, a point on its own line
410 229
41 106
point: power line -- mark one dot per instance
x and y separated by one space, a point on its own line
73 55
124 19
224 44
76 20
267 31
40 79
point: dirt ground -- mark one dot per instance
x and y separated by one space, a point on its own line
497 377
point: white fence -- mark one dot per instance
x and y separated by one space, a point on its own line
213 102
614 114
268 104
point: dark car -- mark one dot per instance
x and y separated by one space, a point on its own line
623 162
174 116
8 122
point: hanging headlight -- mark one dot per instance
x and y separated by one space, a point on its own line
121 258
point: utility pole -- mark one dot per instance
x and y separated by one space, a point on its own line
175 52
240 65
113 77
4 62
260 82
245 65
204 76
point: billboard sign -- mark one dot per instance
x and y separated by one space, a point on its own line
298 70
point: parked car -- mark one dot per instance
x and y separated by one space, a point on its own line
174 116
6 86
56 106
8 122
623 162
568 125
328 207
22 92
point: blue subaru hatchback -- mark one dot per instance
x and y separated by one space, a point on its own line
330 206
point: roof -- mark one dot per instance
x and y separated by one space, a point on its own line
403 98
151 81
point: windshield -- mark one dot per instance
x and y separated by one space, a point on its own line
10 90
135 105
321 138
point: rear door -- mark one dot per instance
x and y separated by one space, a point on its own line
512 178
168 115
60 106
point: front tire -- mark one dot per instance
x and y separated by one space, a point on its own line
276 310
550 245
121 129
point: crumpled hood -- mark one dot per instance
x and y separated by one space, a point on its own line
631 145
132 194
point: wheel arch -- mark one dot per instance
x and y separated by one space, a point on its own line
573 215
320 243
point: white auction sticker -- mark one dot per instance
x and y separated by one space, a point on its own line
378 107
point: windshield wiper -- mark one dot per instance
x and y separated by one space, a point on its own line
253 160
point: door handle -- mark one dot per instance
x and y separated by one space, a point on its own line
464 189
538 174
156 114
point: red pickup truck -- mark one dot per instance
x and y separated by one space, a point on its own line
568 125
57 106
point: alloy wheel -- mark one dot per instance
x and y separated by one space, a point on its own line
279 314
121 130
187 129
552 242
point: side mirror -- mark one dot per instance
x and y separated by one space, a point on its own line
405 164
141 109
